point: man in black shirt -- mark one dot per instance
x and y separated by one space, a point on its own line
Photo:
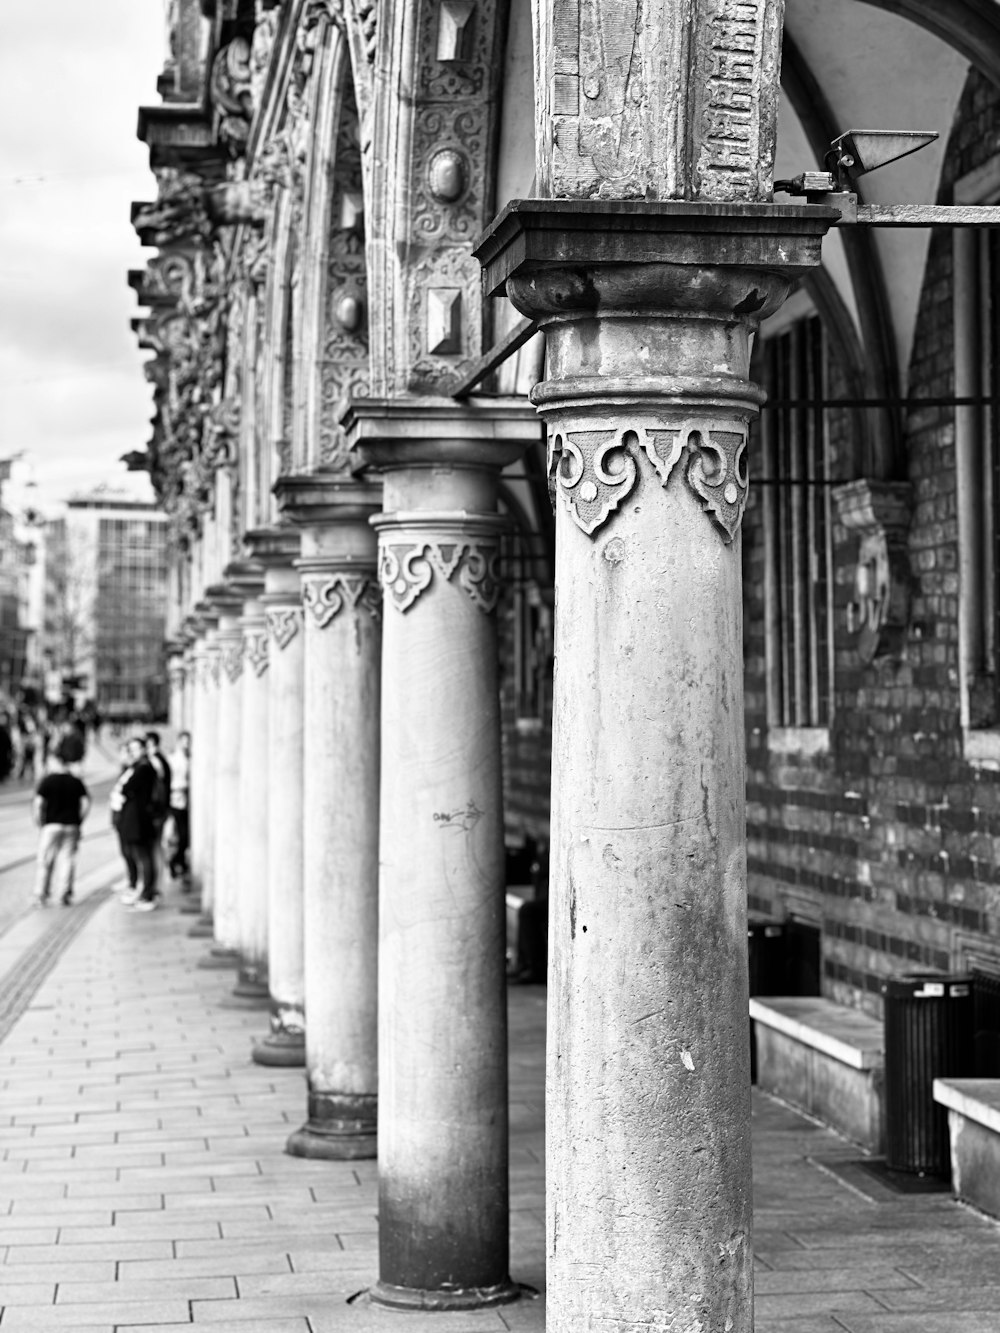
60 806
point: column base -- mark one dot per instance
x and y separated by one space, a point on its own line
341 1127
252 984
284 1047
460 1298
217 959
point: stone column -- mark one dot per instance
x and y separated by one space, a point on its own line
179 685
254 782
342 632
647 407
226 800
204 740
282 600
443 1192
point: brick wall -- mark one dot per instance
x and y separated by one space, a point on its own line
889 841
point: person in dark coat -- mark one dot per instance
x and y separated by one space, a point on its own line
132 811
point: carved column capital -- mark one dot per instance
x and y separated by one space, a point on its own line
331 587
283 623
663 297
420 551
255 645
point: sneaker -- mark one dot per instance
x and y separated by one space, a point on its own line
145 905
129 898
41 900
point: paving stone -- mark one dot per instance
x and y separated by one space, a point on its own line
46 1273
241 1326
809 1303
325 1282
20 1318
955 1321
833 1279
188 1289
213 1266
26 1293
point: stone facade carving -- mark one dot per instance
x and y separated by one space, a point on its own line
179 213
454 70
232 98
231 657
366 17
261 47
717 471
645 100
283 623
255 651
326 595
594 470
407 569
344 358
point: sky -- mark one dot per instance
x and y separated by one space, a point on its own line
73 397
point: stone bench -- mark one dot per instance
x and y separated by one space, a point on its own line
824 1058
974 1129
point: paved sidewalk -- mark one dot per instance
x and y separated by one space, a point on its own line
143 1183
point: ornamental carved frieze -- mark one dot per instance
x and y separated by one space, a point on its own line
232 98
595 470
231 655
325 596
454 69
314 13
213 668
261 48
407 570
343 368
283 623
445 321
179 213
366 18
448 191
169 278
255 650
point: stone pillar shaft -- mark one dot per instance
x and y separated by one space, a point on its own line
252 849
203 716
286 979
647 407
443 1192
341 643
443 1142
226 806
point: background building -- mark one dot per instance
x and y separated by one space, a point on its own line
18 625
105 604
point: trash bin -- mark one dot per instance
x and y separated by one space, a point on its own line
928 1035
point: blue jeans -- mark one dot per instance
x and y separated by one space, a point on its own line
57 846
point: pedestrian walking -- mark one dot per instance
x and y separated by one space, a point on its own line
132 811
61 804
180 781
